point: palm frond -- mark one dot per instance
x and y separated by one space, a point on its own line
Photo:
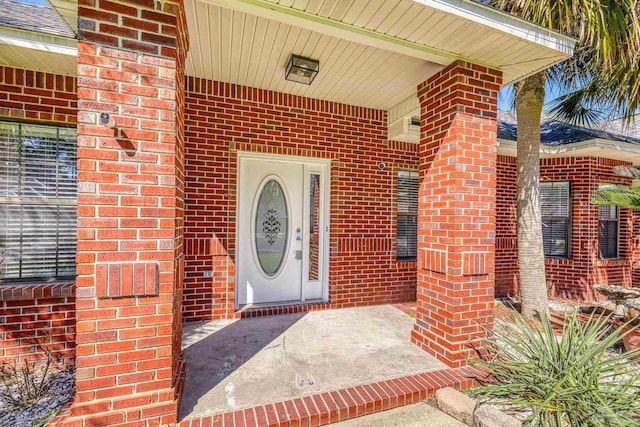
566 380
620 195
627 171
603 75
577 108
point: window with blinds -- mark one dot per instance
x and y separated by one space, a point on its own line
407 216
38 182
555 206
608 224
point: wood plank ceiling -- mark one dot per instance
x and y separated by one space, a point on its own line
248 43
230 44
241 48
416 21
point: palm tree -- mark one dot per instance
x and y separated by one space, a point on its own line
602 74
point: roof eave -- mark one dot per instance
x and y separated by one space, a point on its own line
502 21
38 41
619 150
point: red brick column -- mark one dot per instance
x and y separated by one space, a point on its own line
130 211
456 228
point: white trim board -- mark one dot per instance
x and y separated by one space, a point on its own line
38 41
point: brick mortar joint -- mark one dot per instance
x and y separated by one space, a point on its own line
158 6
219 89
36 290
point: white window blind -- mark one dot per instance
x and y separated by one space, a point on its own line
38 181
555 206
608 224
407 215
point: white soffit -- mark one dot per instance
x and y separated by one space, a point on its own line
618 150
237 47
68 11
439 31
38 51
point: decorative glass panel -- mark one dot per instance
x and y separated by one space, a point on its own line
271 222
314 224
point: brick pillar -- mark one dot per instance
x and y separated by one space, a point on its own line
635 248
456 224
130 211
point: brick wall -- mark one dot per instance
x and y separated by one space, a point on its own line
37 96
37 316
573 277
222 119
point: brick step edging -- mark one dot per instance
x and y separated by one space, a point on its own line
330 407
295 308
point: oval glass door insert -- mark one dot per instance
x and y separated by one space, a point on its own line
271 222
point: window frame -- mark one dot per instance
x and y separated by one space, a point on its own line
615 220
552 218
408 257
42 201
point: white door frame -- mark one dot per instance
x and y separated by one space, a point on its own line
311 165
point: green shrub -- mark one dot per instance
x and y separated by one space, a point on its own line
558 381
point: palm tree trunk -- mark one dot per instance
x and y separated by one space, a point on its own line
533 285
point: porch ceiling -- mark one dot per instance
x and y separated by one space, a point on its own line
372 52
233 46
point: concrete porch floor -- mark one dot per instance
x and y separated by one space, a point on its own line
244 363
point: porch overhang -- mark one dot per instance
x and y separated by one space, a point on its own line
371 53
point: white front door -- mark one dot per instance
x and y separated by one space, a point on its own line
281 229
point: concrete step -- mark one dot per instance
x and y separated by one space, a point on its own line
416 415
339 405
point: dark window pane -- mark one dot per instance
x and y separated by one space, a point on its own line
314 224
554 237
608 239
407 215
608 231
555 207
